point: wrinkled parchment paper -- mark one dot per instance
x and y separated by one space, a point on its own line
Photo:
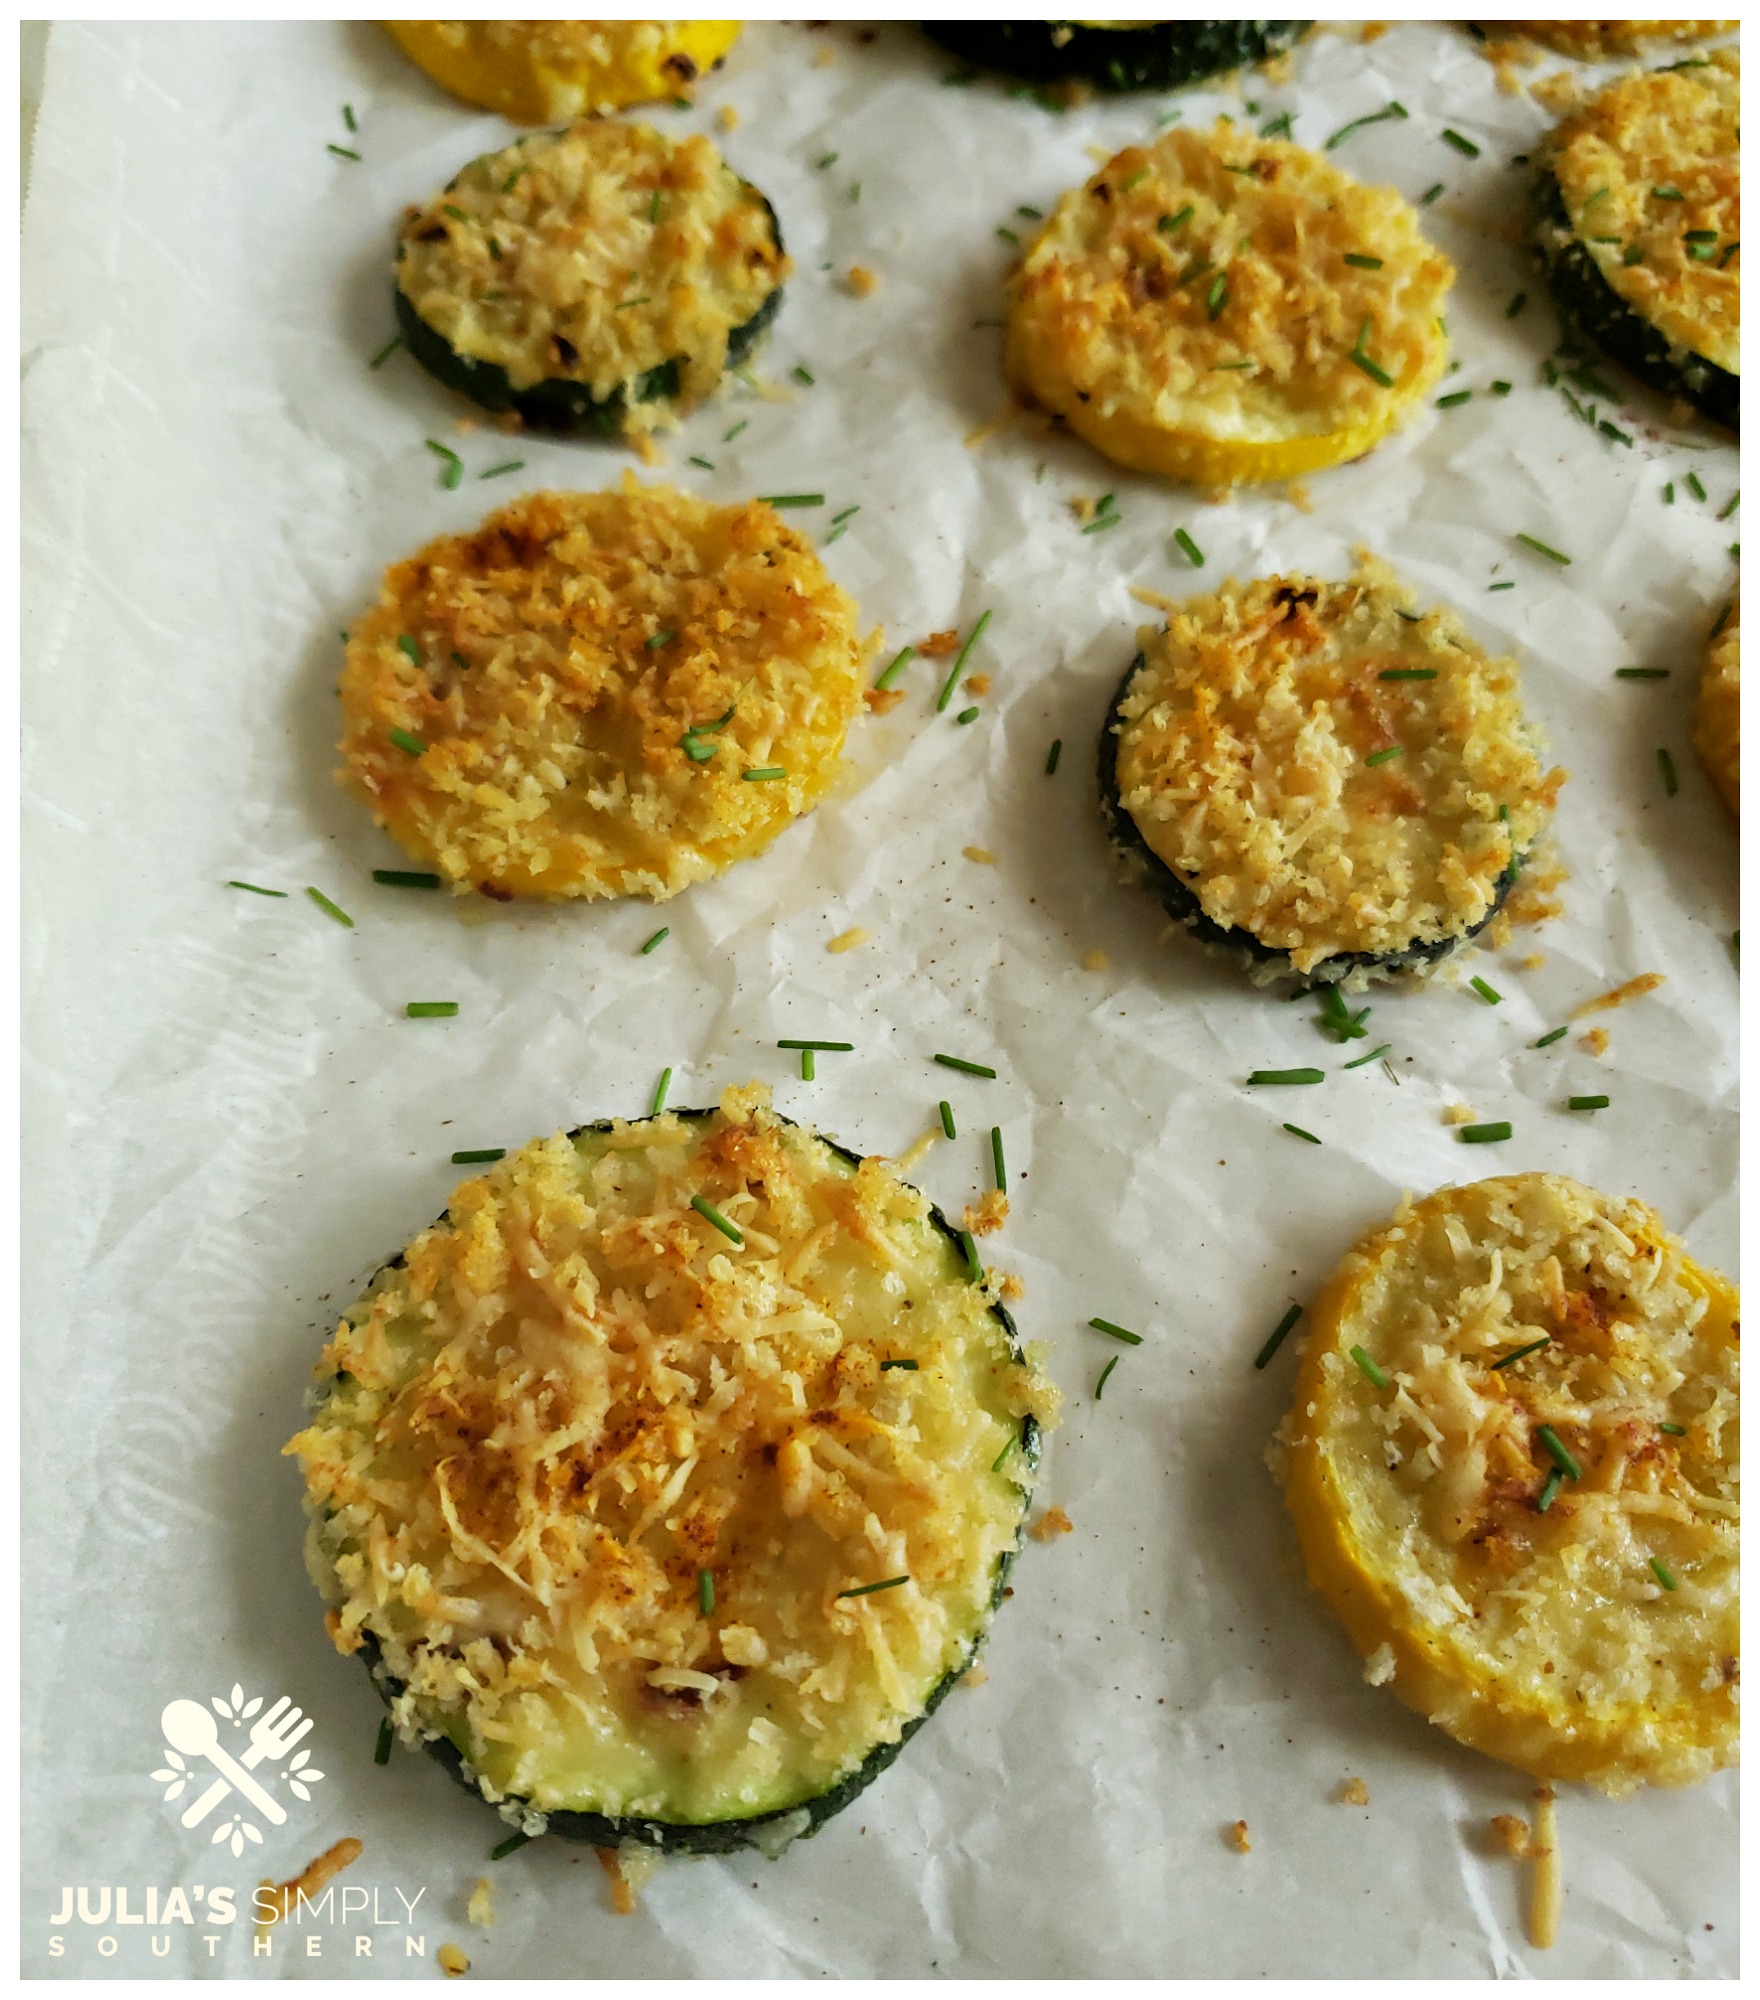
232 1122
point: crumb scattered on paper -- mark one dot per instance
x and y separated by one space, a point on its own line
1236 1836
1532 963
982 855
1052 1523
308 1881
727 118
918 1147
861 281
975 1675
879 700
1511 1835
1633 989
1298 496
480 1910
848 940
1011 1288
978 684
1095 960
1353 1792
1596 1042
623 1897
939 643
1459 1114
1543 1912
987 1214
1380 1666
452 1961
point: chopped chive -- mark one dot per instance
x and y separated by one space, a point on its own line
1100 1386
1142 174
837 520
1500 586
1553 1035
1393 109
1632 254
711 1214
1664 1575
510 1845
792 499
1590 1103
1668 194
1117 1332
660 1090
329 908
458 214
431 1010
1501 388
1556 1451
1407 674
628 305
968 715
348 118
1485 1135
1613 431
809 1067
507 185
1008 235
1640 673
1665 764
382 1749
1300 1134
1549 1492
1734 501
1540 548
1693 487
1052 755
1453 402
764 774
1287 1076
695 748
705 1591
1486 992
968 1068
406 741
1520 1353
1381 756
1167 224
996 1159
826 160
1673 1430
1372 369
1722 618
500 471
708 465
1279 1334
855 190
385 353
1460 143
897 667
947 1125
408 647
1033 214
1373 1372
1515 305
1104 519
343 152
729 436
1429 195
959 665
1217 297
1189 549
834 1048
1001 1458
479 1156
868 1589
1369 1058
803 374
655 640
974 1263
911 1366
451 467
256 891
1276 128
658 939
406 878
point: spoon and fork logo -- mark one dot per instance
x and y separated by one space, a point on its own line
196 1736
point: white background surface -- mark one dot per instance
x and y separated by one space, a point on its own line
231 1122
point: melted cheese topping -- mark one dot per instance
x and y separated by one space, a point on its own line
1591 40
574 1397
594 255
1244 750
1199 285
1547 1638
1679 132
1719 734
555 664
548 72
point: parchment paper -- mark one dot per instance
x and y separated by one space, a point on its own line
231 1123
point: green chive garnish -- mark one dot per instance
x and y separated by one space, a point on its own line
382 1749
764 774
1008 235
1381 756
431 1010
1693 487
1730 506
911 1366
405 878
406 741
705 1591
974 1263
1668 194
1460 143
837 520
1406 674
1102 521
1100 1386
1369 1058
947 1119
1217 297
1515 305
451 467
1488 993
409 649
343 152
1520 1353
968 1068
1429 195
1300 1134
729 436
1001 1458
1664 1575
1613 431
1033 214
1665 764
712 1215
1553 1035
1549 1492
1590 1103
1555 1450
1640 673
329 908
897 667
809 1068
968 715
1287 1076
657 940
1373 369
868 1589
833 1048
1167 224
660 1090
510 1845
385 353
1673 1430
1372 1369
1454 401
1540 548
1052 755
996 1159
1338 1019
499 471
830 159
1361 262
627 304
1500 586
655 640
1189 549
959 665
348 118
1276 128
1393 109
256 891
479 1156
1485 1135
792 499
1117 1332
1501 388
803 374
1279 1334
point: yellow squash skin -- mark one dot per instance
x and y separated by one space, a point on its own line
550 72
1598 1673
1227 309
1718 737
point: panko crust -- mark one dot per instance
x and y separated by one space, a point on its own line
1544 1638
1243 741
1190 310
547 72
558 665
1718 736
1591 41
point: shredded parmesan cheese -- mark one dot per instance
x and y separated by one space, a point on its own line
307 1882
848 940
481 1908
1633 989
1236 1836
1544 1911
452 1961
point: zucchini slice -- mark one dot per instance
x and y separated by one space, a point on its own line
549 72
1319 782
572 700
1115 55
1637 216
669 1482
599 279
1718 737
1223 308
1511 1462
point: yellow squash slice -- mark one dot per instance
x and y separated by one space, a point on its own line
1512 1468
552 72
1719 734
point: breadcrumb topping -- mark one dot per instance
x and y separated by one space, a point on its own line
546 72
551 668
1592 41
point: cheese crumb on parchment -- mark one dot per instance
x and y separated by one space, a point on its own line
1236 1836
452 1961
1353 1792
1052 1523
848 940
480 1910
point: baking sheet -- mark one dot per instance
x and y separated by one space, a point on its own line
231 1123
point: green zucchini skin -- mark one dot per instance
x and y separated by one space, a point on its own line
730 1835
1158 55
1598 312
562 407
1181 903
